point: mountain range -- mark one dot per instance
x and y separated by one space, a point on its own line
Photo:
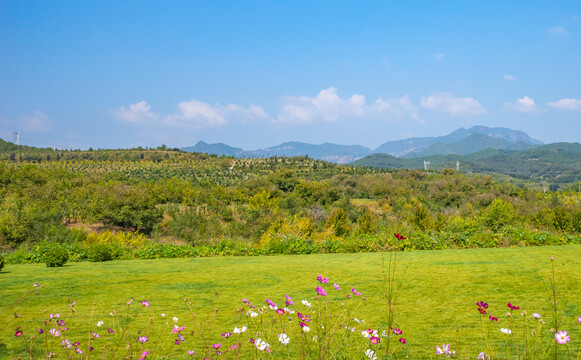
460 142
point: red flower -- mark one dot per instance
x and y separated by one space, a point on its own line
399 237
482 311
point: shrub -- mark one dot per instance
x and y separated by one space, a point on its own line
100 252
56 255
1 262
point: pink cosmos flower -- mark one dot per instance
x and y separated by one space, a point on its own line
355 292
110 331
142 339
40 331
445 349
18 333
177 329
337 287
322 279
217 346
399 237
191 353
397 331
233 347
562 337
402 340
280 311
374 340
144 354
79 351
512 307
145 303
321 291
248 303
492 318
483 356
289 301
226 335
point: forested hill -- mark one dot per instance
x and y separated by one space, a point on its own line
554 163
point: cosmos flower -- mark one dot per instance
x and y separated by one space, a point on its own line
505 331
288 301
145 303
562 337
54 332
239 330
536 315
142 339
321 291
374 340
402 340
370 354
355 292
99 323
483 356
66 344
18 333
144 354
445 349
306 303
284 339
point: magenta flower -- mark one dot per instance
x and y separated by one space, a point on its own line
562 337
177 329
217 346
248 303
399 237
95 335
320 291
18 333
177 341
16 315
579 320
76 343
289 301
337 287
280 311
130 301
191 353
492 318
142 339
402 340
512 307
40 331
397 331
482 304
79 351
144 354
233 347
226 335
374 340
355 292
145 303
110 331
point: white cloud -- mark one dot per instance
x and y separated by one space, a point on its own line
524 104
565 104
438 56
509 77
137 113
39 121
445 102
197 114
328 106
193 114
558 30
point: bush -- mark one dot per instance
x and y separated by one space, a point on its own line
56 255
99 252
1 262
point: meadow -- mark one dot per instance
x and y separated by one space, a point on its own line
436 291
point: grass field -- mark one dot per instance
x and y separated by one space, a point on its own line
436 300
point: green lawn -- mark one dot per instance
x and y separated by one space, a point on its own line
436 301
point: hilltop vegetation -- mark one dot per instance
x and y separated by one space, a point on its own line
172 197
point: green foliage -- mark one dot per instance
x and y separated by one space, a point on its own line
2 261
338 223
100 252
55 255
498 215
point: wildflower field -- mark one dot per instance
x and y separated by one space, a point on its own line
301 306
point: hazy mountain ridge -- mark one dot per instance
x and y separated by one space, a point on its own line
462 141
557 163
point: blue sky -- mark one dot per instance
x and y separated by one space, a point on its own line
252 74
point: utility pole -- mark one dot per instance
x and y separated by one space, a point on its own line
458 166
426 165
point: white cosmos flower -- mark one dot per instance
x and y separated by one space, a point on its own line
175 319
288 310
99 323
505 331
306 303
536 315
239 330
261 344
162 315
283 338
370 354
253 314
306 329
